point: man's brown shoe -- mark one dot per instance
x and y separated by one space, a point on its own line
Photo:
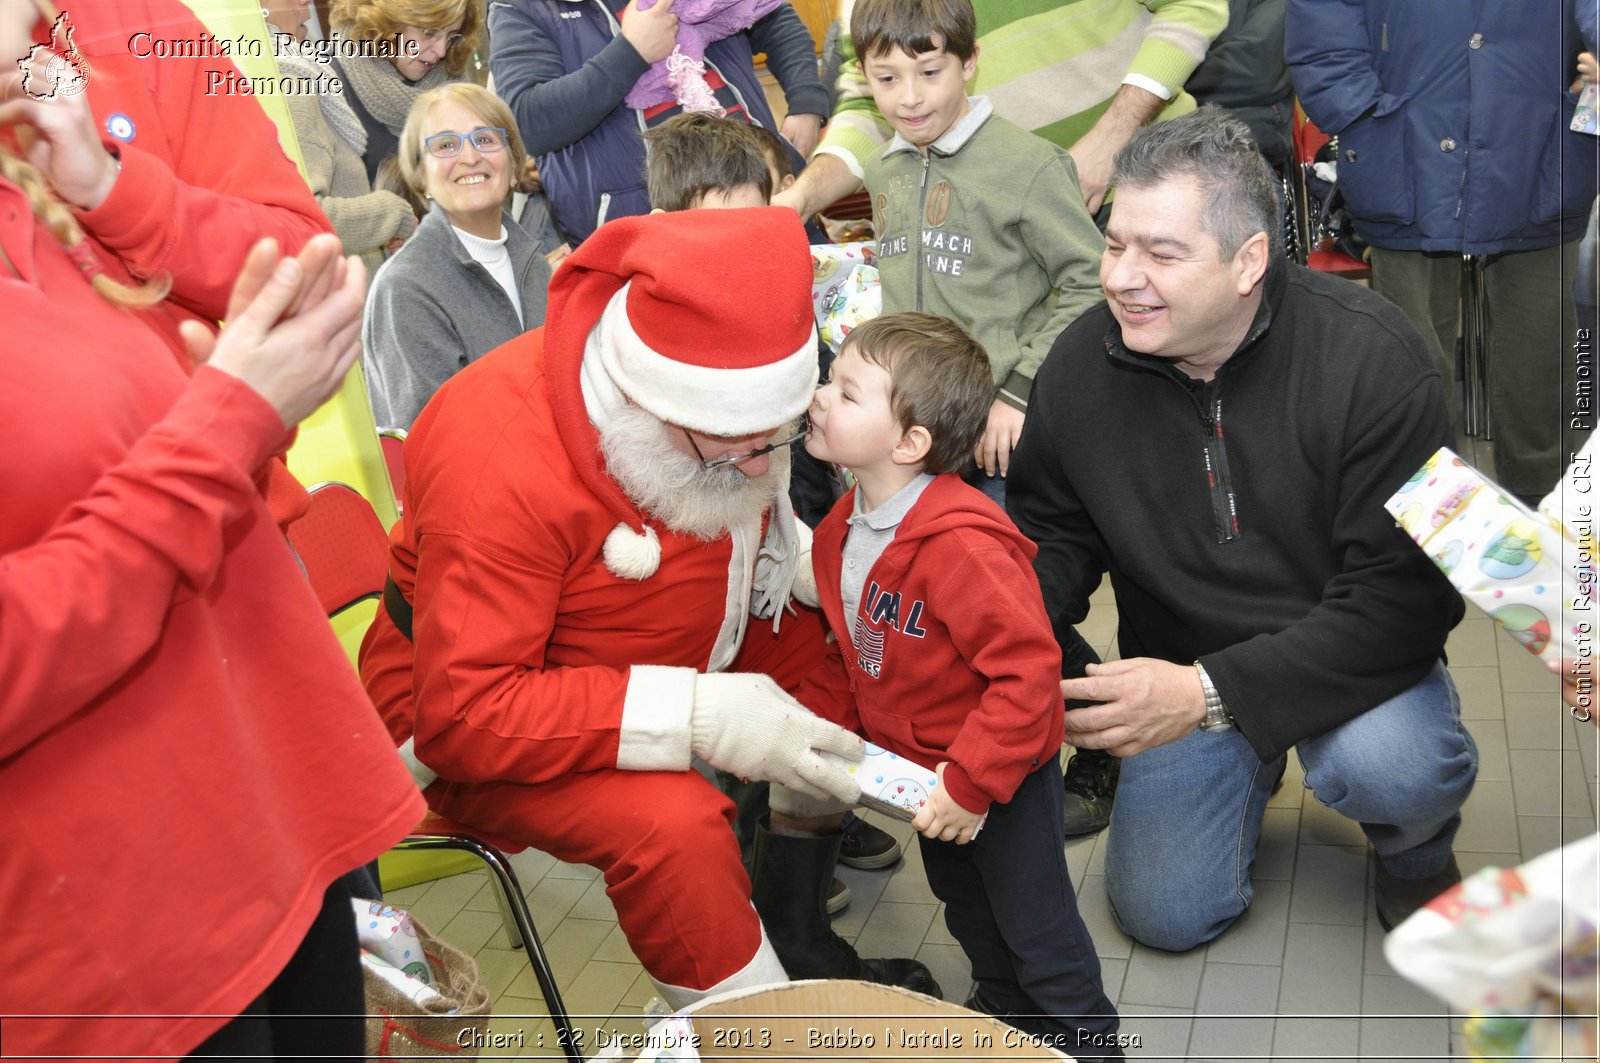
1400 898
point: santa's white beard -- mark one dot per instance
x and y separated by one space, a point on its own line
675 489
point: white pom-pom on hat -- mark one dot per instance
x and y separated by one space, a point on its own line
630 555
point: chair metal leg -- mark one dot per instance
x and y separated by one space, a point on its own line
519 926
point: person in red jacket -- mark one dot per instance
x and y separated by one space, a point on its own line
943 655
172 172
187 763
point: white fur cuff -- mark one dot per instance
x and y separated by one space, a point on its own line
655 719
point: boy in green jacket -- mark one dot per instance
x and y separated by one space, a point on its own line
977 219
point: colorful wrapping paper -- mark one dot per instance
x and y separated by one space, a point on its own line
1517 565
1517 948
844 288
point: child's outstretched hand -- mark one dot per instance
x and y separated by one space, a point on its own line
942 819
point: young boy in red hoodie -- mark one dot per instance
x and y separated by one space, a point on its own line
945 656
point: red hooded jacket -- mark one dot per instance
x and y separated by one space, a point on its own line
968 669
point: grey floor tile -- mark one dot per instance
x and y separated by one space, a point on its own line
1079 852
1472 642
1412 1039
1156 1033
1470 862
867 888
950 969
1258 937
1097 857
903 884
594 904
487 897
1163 979
571 946
1548 782
1112 974
1388 996
1321 825
1329 885
553 898
1479 690
470 931
581 872
939 931
1521 670
1488 819
531 866
615 949
1292 794
405 898
1315 1038
1109 940
1275 849
1374 963
1236 1012
1538 721
894 929
502 968
1494 762
599 988
1321 970
1540 834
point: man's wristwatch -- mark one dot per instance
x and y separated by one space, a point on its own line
1217 717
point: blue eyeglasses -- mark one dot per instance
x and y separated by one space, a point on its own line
486 139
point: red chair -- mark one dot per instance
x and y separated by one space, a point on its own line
345 553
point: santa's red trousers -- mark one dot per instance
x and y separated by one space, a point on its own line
663 841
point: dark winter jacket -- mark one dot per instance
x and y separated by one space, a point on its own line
564 68
1242 520
1452 119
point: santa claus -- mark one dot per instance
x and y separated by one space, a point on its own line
594 513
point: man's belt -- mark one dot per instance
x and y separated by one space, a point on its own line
399 610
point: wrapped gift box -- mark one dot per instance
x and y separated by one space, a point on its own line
1513 563
891 784
844 288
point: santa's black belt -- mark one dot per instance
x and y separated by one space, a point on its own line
399 610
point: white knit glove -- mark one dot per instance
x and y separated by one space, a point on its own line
744 723
804 588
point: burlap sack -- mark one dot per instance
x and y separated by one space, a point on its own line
449 1027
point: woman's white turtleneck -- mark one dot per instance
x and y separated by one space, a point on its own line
493 256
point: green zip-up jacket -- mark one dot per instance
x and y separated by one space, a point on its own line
988 229
1051 66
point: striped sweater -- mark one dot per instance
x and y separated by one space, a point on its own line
1051 66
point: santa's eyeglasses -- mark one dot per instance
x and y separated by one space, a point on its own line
717 463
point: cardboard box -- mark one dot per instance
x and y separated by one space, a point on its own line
1508 560
839 1020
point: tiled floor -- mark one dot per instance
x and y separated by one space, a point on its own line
1302 976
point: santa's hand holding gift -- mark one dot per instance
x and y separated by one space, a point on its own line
573 583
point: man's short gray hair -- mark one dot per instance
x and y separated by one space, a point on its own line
1217 150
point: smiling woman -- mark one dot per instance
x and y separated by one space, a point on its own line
470 279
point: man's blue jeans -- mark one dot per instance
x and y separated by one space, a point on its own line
1187 815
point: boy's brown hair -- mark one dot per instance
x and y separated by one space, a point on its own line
692 154
877 27
776 150
939 378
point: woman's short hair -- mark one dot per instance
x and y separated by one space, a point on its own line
477 99
383 20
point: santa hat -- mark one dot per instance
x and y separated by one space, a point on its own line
712 330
